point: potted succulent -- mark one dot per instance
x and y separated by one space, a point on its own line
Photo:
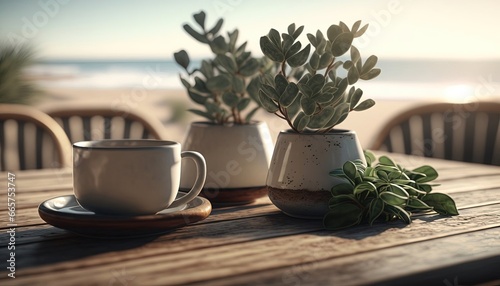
313 91
237 149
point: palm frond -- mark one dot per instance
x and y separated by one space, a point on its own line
15 86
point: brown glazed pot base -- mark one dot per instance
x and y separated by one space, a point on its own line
233 196
301 203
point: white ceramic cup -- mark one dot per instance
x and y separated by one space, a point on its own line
132 177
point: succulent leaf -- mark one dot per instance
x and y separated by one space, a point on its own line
199 37
200 19
300 58
182 58
270 50
342 44
289 95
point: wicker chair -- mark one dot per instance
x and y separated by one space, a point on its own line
96 122
462 132
30 139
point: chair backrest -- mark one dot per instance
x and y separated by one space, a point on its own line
462 132
30 139
82 123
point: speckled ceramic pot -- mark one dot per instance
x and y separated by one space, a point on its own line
237 156
298 179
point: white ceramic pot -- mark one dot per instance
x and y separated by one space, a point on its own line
298 179
237 156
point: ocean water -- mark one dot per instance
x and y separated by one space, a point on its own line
399 80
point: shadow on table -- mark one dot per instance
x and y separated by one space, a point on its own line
62 246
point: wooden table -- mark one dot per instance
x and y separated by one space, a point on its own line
258 245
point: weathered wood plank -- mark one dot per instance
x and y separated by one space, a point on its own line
459 183
432 262
263 206
242 247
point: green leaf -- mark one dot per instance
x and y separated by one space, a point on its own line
217 27
270 50
341 87
316 83
305 89
266 102
202 114
243 103
342 216
363 187
230 98
314 61
219 45
369 64
197 36
342 44
200 85
343 198
364 105
280 83
350 170
300 122
356 96
253 88
356 26
342 189
385 160
361 31
182 58
291 28
294 49
249 68
375 209
238 84
418 204
333 32
442 203
325 60
219 83
308 105
324 97
270 92
233 37
297 32
430 174
352 75
312 40
299 58
274 36
392 199
200 19
369 157
341 112
320 119
399 212
289 96
400 191
370 75
197 97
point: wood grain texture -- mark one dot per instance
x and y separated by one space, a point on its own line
256 244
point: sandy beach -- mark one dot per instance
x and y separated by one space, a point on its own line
168 104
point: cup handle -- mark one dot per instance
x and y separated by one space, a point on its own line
201 167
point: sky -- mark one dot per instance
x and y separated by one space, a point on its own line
126 29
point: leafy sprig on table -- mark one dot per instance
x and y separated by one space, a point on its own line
383 190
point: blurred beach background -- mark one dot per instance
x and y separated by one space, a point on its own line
121 52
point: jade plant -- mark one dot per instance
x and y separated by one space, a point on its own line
226 85
383 190
313 89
